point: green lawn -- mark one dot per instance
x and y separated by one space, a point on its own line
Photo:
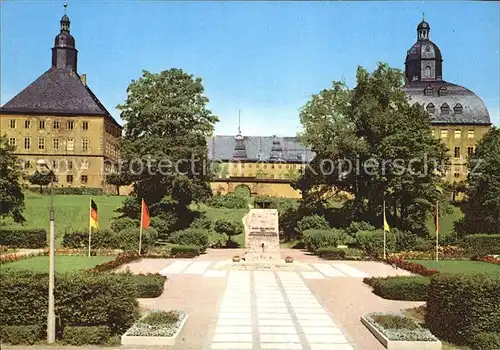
64 263
71 212
460 266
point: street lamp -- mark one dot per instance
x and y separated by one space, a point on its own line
51 316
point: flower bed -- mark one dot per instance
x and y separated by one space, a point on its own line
487 259
446 252
122 258
410 266
396 331
158 328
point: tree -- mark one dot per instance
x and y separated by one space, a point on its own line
228 227
482 209
164 146
118 180
41 179
371 143
11 195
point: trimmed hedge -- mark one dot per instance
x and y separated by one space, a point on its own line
148 286
93 191
482 244
486 341
81 298
83 335
190 237
23 238
410 288
332 253
372 242
184 251
316 239
20 334
461 306
103 239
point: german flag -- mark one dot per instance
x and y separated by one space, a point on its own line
94 221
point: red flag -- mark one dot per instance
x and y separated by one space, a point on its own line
144 215
436 218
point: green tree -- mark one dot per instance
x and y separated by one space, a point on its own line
372 125
482 209
228 227
117 179
41 179
11 195
164 146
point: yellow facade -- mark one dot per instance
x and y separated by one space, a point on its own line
79 149
260 170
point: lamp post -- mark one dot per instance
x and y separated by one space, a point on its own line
51 317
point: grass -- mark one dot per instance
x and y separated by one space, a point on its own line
64 263
460 266
446 222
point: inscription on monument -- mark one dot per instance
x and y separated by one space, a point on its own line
262 234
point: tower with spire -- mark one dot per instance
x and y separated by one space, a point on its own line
64 52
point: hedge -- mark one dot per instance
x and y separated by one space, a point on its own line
20 334
103 239
316 239
81 298
184 251
461 306
486 341
372 242
482 244
83 335
23 238
333 253
149 285
190 237
410 288
93 191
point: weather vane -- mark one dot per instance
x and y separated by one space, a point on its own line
65 7
423 16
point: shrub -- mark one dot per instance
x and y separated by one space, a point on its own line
190 237
20 334
410 266
332 253
312 222
229 201
184 251
120 224
156 318
92 191
203 223
411 288
356 226
23 238
405 241
81 299
128 239
103 239
394 322
462 306
372 242
486 341
482 244
148 286
83 335
315 239
228 227
120 259
487 259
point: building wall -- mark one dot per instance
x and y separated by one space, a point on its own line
259 170
75 147
256 188
460 140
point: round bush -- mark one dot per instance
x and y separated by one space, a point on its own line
312 222
128 239
190 237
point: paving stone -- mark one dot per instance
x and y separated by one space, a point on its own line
176 267
279 338
234 322
234 315
232 338
215 273
275 322
323 317
321 330
317 323
350 271
268 316
277 330
232 346
309 310
328 270
326 338
197 268
233 329
280 346
312 275
330 347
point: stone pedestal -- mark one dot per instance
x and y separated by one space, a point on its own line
262 235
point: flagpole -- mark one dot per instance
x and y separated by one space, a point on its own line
437 230
90 226
140 229
383 224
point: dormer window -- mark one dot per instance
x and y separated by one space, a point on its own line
458 109
445 109
443 91
430 108
428 90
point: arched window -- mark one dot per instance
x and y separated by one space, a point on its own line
430 108
428 90
443 91
458 109
445 109
427 73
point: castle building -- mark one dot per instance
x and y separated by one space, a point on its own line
59 119
458 116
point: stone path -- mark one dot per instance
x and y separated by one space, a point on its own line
273 310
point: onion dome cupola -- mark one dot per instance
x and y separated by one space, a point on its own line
424 61
276 150
240 152
64 53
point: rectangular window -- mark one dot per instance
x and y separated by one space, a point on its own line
470 134
470 151
41 124
444 133
55 124
265 166
85 125
458 133
457 152
55 144
27 124
84 165
249 165
257 166
242 165
12 124
70 144
27 143
456 174
84 179
70 164
85 144
27 164
69 179
12 141
71 125
41 143
55 164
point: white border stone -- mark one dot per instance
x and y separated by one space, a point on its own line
153 341
400 344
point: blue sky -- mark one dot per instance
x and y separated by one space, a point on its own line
265 58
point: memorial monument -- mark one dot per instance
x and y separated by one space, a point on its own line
262 235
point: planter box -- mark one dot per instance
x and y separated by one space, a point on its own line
400 344
153 341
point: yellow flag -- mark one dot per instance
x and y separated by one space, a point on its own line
386 225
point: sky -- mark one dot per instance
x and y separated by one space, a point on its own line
263 58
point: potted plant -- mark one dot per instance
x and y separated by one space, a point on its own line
236 258
289 259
